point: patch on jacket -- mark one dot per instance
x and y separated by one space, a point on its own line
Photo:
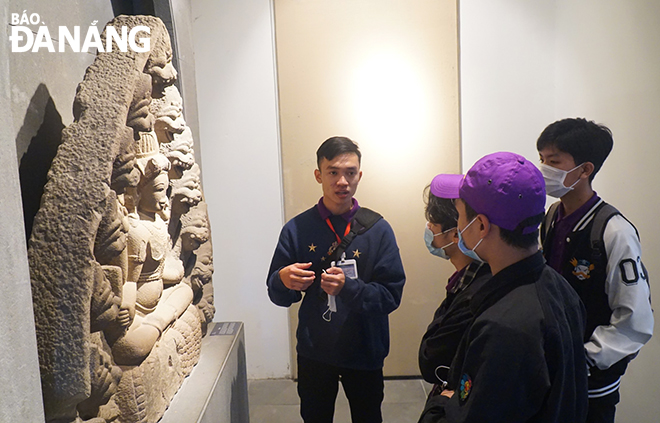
582 268
466 387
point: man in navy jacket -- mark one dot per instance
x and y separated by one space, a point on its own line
343 325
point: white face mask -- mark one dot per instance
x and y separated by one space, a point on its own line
554 180
428 240
464 249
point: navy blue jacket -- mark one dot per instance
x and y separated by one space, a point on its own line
357 336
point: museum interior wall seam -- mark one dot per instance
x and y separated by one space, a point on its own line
120 254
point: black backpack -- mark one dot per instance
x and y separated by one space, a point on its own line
602 215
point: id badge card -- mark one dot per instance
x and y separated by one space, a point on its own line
349 267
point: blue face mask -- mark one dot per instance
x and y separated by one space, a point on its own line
428 240
464 249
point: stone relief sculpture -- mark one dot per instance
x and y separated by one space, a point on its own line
120 253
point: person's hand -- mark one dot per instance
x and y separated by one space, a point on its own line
296 276
332 280
447 393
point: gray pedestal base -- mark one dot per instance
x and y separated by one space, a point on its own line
216 390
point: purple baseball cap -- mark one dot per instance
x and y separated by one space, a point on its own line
504 186
446 185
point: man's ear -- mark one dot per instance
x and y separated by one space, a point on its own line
484 225
588 169
317 175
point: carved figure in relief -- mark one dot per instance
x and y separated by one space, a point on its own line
121 307
188 227
111 254
153 296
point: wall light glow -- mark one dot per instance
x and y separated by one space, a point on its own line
389 104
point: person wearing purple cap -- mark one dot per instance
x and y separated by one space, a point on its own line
598 251
521 359
453 316
343 262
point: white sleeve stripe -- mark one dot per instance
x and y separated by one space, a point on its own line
588 217
599 393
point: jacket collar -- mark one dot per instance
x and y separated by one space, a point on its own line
524 272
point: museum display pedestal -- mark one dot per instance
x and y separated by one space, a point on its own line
216 391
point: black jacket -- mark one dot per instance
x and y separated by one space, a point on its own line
522 358
450 320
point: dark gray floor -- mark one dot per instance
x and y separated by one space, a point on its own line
276 401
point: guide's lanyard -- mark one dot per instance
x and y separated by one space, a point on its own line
332 228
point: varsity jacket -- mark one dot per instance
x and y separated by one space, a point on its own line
357 335
522 356
615 291
450 320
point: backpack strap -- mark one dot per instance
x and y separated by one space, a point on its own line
547 223
363 220
602 215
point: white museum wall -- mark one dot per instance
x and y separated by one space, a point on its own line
237 98
526 64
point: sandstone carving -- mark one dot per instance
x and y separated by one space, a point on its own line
120 252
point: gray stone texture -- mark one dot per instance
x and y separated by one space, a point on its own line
217 389
76 290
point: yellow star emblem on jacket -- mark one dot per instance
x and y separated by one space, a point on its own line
312 247
356 253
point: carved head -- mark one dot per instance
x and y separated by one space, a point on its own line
186 191
168 111
180 152
152 189
194 229
159 65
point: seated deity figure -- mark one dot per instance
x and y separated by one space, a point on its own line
153 297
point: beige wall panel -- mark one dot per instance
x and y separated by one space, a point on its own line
384 73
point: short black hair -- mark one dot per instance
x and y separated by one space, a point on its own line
336 146
513 238
440 211
583 139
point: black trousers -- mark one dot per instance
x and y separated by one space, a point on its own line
318 384
602 410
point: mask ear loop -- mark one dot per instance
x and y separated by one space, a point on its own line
444 232
443 384
578 179
327 316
